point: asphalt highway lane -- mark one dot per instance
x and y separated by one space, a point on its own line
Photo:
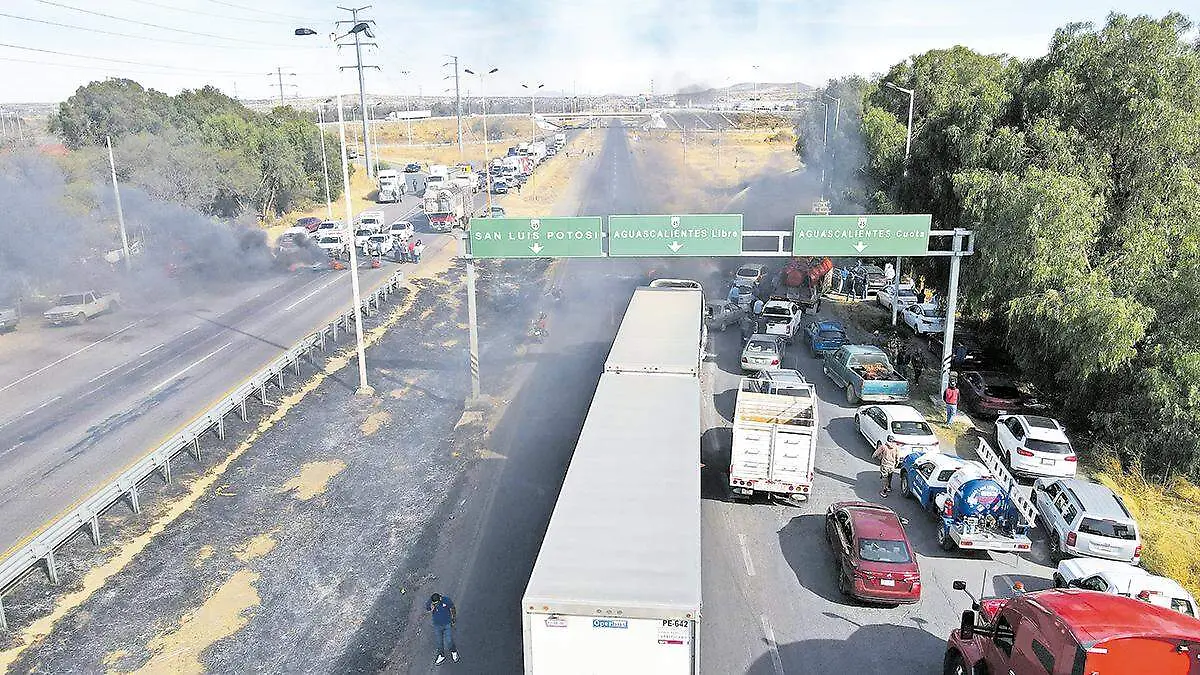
83 402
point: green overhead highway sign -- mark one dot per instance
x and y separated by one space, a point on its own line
683 235
573 237
868 235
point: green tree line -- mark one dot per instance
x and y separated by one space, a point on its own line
1077 170
202 148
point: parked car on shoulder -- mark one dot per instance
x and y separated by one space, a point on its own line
79 307
310 223
751 272
871 553
824 337
906 297
900 424
495 212
762 352
1035 446
869 276
967 353
1118 578
1086 519
412 167
500 186
924 319
990 393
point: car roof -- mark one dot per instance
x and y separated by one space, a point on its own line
1094 617
863 349
752 266
765 336
831 325
785 375
872 521
1044 428
902 413
777 303
1097 500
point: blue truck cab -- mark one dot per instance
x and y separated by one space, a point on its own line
824 337
923 475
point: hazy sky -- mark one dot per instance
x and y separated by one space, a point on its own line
591 46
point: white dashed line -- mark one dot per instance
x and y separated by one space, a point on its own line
105 373
74 353
208 356
33 410
157 346
746 555
771 644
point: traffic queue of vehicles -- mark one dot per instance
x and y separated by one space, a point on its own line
1104 611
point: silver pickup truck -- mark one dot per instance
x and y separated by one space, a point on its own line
10 315
79 307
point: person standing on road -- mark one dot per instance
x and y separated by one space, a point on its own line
443 613
747 325
758 307
918 365
888 454
734 294
902 360
412 250
950 398
418 249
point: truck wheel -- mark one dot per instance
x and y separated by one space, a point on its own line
843 584
953 664
904 487
851 397
80 318
1059 581
945 540
1056 552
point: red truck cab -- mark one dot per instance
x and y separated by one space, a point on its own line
1073 632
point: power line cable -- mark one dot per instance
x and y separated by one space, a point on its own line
161 27
135 63
210 14
123 35
103 68
259 11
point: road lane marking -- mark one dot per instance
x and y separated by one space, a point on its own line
33 410
772 645
12 448
81 350
746 555
312 293
152 349
188 331
208 356
105 373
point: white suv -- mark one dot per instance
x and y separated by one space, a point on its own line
1035 446
1085 519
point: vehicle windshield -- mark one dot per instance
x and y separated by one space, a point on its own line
330 240
883 550
782 312
931 312
72 300
911 428
760 346
363 233
907 293
1006 391
1183 605
1051 447
1108 529
747 272
831 335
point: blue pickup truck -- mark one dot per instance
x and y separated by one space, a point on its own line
866 374
824 337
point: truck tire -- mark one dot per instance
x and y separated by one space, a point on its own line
80 318
945 540
953 664
851 397
1056 552
843 585
1059 581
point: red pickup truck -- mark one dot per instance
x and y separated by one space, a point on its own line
1072 632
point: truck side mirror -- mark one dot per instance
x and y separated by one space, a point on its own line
960 585
966 624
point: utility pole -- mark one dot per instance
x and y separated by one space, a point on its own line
279 77
358 65
457 104
112 166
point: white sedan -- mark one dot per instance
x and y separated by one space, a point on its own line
923 319
907 296
1118 578
900 424
1035 446
401 230
378 244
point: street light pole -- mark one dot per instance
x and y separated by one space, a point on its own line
472 316
112 165
364 389
908 136
324 163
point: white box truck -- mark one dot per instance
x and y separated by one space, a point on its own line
616 586
774 438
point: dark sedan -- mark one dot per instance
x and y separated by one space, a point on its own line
966 353
412 167
310 223
991 393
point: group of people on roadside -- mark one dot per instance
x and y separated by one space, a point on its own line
888 452
409 251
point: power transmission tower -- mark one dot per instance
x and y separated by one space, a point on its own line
457 102
358 65
279 75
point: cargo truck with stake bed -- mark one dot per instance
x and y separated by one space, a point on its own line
774 437
616 585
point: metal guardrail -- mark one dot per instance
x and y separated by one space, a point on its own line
1006 480
86 513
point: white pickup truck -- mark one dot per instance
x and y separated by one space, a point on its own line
782 317
79 307
774 436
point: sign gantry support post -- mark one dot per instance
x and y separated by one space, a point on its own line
956 255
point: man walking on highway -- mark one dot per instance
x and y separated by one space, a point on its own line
888 454
443 613
418 249
950 398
